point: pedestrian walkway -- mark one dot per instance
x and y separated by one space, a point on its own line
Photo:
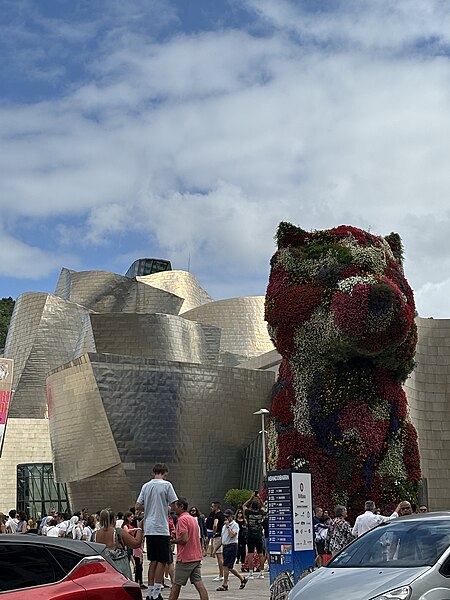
256 589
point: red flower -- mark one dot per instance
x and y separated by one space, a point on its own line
351 271
294 445
294 305
282 405
284 341
350 310
284 371
389 389
278 281
363 237
373 432
324 470
411 453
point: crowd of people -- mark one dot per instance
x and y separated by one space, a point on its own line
164 521
332 534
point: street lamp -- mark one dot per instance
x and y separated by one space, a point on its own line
263 412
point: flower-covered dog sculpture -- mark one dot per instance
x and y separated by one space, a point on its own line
341 314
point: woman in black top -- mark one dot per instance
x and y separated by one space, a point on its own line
242 538
194 512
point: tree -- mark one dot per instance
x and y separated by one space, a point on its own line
234 497
6 310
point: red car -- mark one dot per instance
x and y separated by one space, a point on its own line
33 567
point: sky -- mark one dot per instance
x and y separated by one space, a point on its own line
188 129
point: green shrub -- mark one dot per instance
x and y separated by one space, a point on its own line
234 497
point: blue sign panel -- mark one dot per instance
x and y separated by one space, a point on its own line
291 544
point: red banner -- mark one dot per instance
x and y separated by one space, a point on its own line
6 378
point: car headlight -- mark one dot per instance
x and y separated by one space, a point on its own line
401 593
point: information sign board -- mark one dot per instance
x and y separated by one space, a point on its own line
291 541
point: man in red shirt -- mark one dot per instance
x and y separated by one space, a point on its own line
189 552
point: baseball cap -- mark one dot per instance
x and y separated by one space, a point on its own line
228 512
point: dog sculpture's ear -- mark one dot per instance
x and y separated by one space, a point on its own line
289 235
395 242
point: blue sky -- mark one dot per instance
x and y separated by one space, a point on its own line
188 129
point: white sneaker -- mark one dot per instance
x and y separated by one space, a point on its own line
218 578
261 576
251 576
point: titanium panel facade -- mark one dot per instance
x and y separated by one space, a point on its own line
197 418
102 292
244 331
44 332
152 336
181 283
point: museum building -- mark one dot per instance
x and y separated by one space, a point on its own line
113 373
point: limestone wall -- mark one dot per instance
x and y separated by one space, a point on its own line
26 441
428 391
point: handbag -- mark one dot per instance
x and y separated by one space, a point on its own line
119 555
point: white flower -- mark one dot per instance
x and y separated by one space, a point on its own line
393 465
369 258
347 285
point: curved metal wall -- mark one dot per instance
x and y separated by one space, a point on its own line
181 283
244 331
102 291
197 418
43 334
155 336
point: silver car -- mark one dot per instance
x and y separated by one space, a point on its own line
404 559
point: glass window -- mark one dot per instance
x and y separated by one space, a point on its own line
37 490
23 565
397 544
148 266
67 560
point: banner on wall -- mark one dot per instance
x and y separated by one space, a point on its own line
6 378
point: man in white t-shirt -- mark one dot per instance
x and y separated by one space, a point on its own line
63 524
230 535
12 522
154 499
368 520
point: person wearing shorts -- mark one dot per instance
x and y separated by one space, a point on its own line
230 535
155 497
219 520
189 553
255 515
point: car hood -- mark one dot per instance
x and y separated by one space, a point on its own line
353 583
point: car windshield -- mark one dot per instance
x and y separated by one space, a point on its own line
397 544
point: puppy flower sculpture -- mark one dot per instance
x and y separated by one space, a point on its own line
341 314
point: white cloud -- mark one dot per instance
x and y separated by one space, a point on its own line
434 299
352 24
20 260
207 141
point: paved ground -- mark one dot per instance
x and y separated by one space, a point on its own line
256 589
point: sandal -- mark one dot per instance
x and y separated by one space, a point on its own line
222 588
243 583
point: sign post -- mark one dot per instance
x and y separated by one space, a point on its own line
291 536
6 377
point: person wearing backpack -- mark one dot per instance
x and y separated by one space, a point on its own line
255 533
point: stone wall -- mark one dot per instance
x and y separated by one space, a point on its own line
27 441
428 391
